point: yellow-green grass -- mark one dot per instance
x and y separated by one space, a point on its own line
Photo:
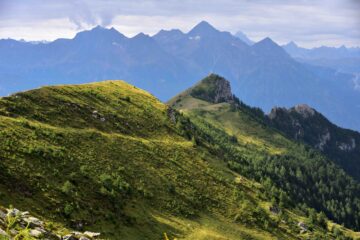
131 175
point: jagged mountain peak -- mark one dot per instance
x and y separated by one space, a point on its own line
266 42
302 110
169 32
101 29
141 36
100 33
202 28
291 44
169 35
269 48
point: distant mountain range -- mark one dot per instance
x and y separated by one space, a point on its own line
322 52
262 74
342 59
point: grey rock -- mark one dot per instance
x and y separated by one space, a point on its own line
303 226
33 222
217 90
3 233
95 114
2 214
13 232
25 214
35 233
13 212
304 110
84 238
40 229
347 146
69 237
223 93
2 223
171 114
323 140
91 234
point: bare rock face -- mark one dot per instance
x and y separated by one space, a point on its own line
304 110
214 89
172 114
347 147
223 92
323 140
275 112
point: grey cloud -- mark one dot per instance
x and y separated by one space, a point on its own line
82 14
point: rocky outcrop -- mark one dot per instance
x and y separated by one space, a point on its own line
348 147
172 114
275 111
304 110
214 89
15 224
223 91
323 140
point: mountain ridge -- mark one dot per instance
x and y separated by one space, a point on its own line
242 121
301 123
263 78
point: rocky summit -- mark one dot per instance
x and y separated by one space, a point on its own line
213 89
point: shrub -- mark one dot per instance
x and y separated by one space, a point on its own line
68 187
113 184
68 209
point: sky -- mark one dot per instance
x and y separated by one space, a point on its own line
309 23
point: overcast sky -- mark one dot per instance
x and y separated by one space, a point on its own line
309 23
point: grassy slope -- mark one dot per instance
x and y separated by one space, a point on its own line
107 155
251 136
248 132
